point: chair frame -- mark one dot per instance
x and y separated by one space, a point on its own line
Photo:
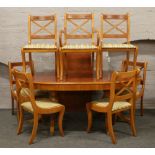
13 82
69 18
24 80
35 36
105 18
143 68
126 82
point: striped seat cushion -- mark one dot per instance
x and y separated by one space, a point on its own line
79 46
42 103
118 46
116 106
40 46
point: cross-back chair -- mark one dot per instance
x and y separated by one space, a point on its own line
41 28
27 102
78 32
13 82
116 27
122 98
140 91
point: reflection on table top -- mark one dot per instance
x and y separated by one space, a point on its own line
73 81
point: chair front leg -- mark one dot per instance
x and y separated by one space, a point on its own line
20 123
57 64
132 122
34 130
89 115
110 128
61 65
60 119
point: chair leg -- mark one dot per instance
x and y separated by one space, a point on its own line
34 130
52 125
100 64
12 104
61 65
57 64
20 123
97 65
141 106
89 115
110 128
132 122
60 119
18 112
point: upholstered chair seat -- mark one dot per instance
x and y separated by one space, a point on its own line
79 46
40 46
118 46
116 106
43 103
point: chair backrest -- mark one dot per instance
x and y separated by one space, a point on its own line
123 86
115 26
43 28
11 78
24 87
82 26
142 66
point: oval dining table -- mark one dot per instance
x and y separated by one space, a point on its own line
73 81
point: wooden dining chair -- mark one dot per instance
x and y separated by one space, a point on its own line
27 102
140 91
13 83
42 28
122 98
79 27
115 36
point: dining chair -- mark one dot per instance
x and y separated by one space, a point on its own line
42 28
141 89
115 36
27 102
122 98
18 65
78 28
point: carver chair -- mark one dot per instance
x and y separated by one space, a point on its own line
41 29
122 98
78 28
27 102
115 36
141 84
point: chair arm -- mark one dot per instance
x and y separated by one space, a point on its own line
60 38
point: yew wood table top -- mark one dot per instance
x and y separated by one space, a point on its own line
73 81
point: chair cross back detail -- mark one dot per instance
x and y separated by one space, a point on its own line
127 85
126 88
42 27
74 19
118 23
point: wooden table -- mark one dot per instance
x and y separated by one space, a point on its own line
75 90
83 81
